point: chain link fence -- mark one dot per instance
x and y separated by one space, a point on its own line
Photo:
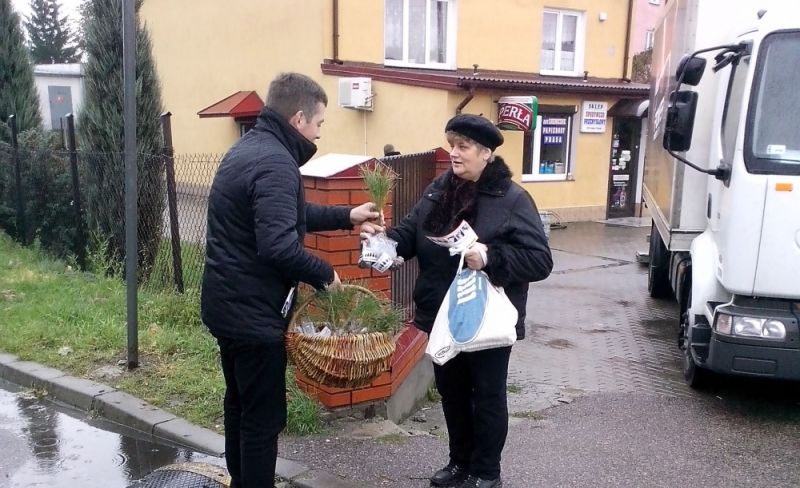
72 204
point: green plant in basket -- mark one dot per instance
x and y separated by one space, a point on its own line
351 309
380 180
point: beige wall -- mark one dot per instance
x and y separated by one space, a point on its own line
206 50
409 117
501 35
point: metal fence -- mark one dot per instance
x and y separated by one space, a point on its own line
415 172
71 203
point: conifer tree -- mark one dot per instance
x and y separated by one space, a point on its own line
101 133
51 39
18 94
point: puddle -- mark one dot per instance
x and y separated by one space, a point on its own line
46 445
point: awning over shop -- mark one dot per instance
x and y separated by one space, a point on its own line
240 105
629 108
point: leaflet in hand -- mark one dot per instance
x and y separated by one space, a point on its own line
459 240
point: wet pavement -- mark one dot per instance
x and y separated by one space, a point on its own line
595 394
45 445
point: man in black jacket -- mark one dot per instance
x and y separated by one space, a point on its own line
257 218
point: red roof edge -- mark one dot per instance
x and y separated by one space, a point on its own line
238 105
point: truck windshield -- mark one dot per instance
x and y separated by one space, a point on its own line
772 143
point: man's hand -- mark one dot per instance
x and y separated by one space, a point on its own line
336 283
475 256
370 228
364 213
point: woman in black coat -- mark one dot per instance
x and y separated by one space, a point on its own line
512 250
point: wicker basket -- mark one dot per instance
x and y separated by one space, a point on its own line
348 361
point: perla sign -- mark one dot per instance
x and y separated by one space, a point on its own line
517 113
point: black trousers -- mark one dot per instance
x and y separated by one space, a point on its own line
255 409
473 389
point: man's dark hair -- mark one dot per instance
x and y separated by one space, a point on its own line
291 92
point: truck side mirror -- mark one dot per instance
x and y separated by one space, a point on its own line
692 69
680 121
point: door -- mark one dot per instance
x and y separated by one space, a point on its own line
60 104
624 157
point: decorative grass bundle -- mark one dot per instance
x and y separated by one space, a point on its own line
361 343
380 180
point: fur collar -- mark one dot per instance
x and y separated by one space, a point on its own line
459 198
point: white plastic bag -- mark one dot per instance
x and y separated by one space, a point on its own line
380 252
474 315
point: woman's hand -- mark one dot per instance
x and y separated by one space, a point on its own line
370 228
475 257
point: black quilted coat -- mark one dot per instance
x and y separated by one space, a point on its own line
257 218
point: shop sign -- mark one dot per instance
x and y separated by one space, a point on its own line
554 130
593 117
517 113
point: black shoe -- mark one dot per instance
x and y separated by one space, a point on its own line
475 482
450 475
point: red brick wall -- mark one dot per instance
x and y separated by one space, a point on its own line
341 248
409 349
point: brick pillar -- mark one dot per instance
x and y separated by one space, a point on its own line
341 248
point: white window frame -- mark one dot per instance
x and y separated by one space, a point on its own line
649 39
536 153
580 42
452 18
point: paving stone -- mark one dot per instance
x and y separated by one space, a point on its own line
128 410
182 432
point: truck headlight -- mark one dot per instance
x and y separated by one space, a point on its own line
774 329
743 326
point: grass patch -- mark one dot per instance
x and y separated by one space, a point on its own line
47 306
192 261
513 388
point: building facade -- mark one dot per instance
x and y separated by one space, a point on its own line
60 88
396 70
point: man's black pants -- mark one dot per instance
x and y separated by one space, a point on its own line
255 409
473 389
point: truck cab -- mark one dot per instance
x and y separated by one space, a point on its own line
724 185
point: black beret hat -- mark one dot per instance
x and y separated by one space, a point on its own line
476 128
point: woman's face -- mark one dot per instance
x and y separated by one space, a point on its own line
467 158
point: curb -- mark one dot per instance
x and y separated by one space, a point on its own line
125 409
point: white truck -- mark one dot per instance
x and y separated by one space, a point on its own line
722 184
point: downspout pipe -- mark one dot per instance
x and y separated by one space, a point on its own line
463 103
336 32
627 42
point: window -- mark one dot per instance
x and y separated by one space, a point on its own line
419 33
772 138
562 43
649 39
732 112
546 156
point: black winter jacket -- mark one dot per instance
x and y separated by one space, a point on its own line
506 220
257 218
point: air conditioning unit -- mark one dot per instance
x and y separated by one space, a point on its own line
355 93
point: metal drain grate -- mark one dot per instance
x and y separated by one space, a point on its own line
186 475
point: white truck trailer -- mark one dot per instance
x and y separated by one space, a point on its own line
722 183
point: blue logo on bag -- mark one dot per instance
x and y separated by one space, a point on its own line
468 297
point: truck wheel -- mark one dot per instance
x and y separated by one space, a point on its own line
694 376
658 284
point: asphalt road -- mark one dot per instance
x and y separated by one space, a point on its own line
596 396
